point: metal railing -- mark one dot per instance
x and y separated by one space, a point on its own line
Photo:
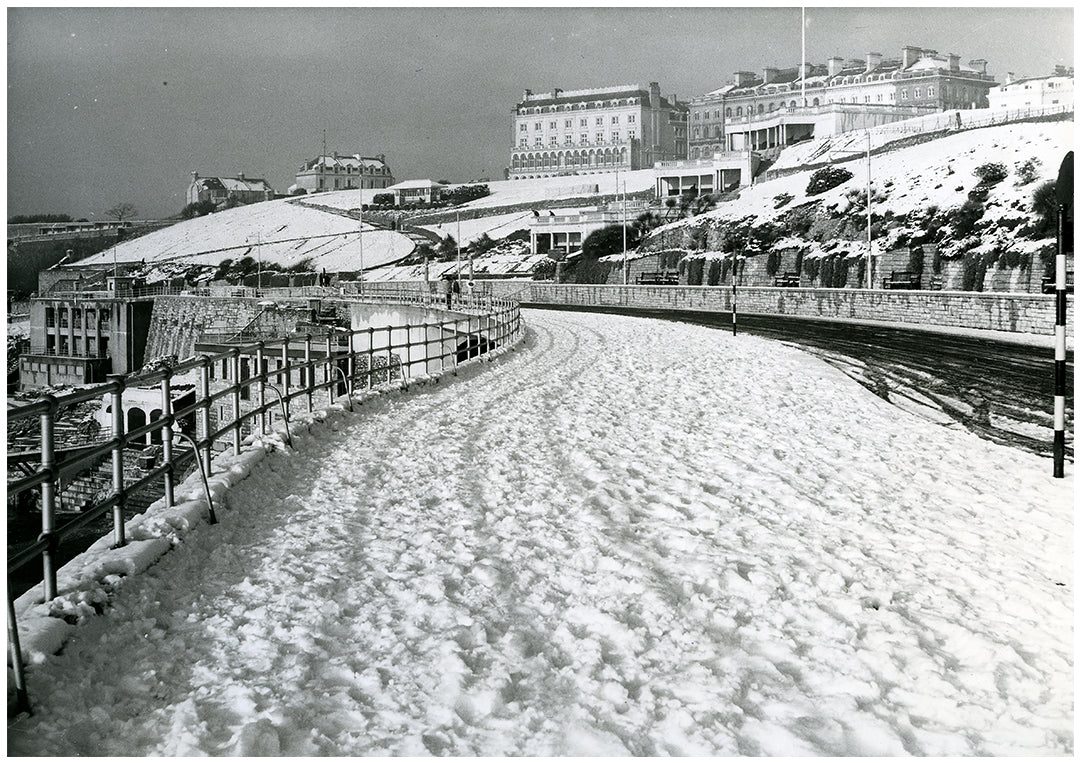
371 357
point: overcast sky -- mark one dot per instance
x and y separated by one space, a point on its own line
108 105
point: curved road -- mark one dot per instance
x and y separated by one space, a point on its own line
624 536
1001 391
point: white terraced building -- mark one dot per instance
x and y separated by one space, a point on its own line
578 132
784 106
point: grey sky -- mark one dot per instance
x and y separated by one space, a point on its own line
121 104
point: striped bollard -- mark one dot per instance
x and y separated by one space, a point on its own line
1064 192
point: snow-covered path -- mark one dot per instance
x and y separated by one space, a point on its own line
627 536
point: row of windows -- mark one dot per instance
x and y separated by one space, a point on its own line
583 139
349 170
579 106
89 347
961 93
571 159
52 315
569 123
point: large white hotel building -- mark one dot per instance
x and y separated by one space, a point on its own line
568 132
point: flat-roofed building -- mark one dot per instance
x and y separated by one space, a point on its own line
1034 92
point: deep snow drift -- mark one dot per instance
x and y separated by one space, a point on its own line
626 536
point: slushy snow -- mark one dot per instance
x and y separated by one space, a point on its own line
625 536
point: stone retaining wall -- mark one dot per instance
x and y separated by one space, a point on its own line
1017 313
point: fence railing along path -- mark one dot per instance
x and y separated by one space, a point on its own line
371 357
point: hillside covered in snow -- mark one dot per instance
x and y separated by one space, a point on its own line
970 193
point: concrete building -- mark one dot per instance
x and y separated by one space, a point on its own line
78 336
723 171
1034 92
337 172
783 106
219 190
554 232
577 132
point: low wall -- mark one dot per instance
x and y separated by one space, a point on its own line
1010 312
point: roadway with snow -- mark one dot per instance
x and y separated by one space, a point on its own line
625 536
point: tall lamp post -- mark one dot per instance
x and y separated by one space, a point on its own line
869 233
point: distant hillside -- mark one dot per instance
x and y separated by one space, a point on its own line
924 190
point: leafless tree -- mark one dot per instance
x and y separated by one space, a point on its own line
122 211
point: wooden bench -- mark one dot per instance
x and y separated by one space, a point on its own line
788 279
659 278
902 279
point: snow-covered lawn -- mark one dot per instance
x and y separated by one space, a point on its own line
283 232
626 536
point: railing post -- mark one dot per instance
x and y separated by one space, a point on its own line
454 354
389 353
285 375
204 393
48 498
309 374
261 373
351 363
330 383
235 363
22 699
166 437
370 356
118 458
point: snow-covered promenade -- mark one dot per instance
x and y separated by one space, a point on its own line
626 536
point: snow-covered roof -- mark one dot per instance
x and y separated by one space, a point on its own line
232 184
354 160
404 184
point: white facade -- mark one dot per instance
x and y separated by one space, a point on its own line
578 132
1031 92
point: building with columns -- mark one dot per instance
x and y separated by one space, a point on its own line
578 132
782 106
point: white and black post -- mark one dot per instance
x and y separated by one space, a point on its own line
734 293
1065 243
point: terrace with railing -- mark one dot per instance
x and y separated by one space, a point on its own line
297 369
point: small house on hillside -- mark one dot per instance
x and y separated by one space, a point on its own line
218 190
416 192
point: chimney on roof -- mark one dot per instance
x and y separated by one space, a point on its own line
768 74
978 64
241 176
743 79
954 62
654 95
836 63
527 95
556 91
911 54
1009 77
873 61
